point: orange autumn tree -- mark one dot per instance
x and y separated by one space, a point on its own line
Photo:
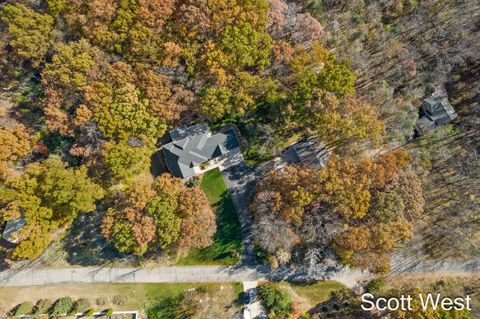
159 214
15 143
367 203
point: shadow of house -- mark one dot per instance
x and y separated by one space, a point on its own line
158 165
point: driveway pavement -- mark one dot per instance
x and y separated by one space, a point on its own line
241 180
256 309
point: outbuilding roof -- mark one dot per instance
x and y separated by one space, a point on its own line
12 227
437 106
310 152
436 111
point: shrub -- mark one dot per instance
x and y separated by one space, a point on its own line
193 181
276 301
101 301
62 306
24 308
375 286
90 313
273 261
119 300
42 307
109 312
81 305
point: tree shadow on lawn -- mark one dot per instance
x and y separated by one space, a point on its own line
227 242
85 245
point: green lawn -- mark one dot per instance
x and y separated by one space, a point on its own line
163 299
159 301
227 244
316 292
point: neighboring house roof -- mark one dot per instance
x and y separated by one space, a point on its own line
437 111
194 145
12 227
438 107
310 152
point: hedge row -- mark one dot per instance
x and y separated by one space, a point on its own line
62 306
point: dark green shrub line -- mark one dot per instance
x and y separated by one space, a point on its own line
61 306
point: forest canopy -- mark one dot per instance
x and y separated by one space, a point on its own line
95 84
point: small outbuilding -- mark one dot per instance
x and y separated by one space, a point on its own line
436 111
12 227
310 152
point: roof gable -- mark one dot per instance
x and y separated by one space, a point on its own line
12 227
311 152
192 146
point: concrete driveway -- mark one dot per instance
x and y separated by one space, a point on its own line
241 180
256 309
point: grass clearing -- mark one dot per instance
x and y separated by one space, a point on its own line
153 300
227 244
317 292
308 296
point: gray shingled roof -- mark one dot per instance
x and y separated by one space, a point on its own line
438 108
12 227
310 152
192 146
437 111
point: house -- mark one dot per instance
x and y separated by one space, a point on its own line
436 110
194 150
12 227
310 152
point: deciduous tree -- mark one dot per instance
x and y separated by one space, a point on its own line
47 195
31 33
119 107
159 215
124 162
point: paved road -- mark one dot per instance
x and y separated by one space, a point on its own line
91 275
98 275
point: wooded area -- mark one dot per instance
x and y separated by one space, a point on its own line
90 86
